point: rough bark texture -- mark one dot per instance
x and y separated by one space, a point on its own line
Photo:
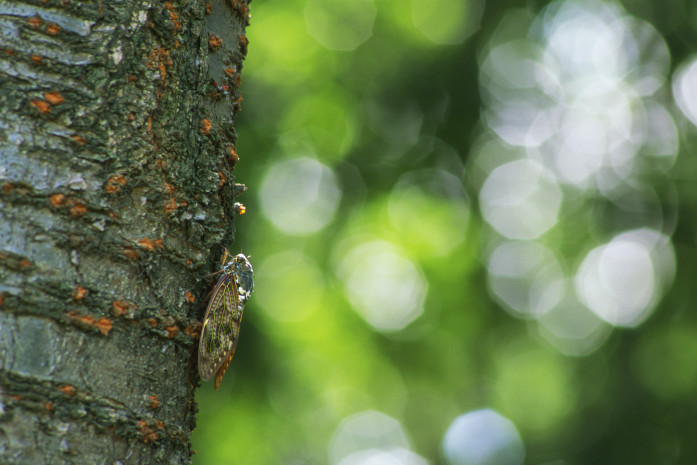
116 194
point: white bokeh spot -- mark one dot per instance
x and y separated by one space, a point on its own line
300 196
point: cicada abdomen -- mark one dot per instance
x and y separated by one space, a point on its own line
221 323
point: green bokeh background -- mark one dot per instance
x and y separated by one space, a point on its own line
376 90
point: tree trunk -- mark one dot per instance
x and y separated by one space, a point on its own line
116 194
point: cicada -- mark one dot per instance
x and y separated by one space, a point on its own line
221 323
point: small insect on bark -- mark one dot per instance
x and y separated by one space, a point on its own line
221 324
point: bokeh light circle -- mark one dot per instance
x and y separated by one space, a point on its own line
340 25
570 326
622 280
300 196
520 200
447 21
520 276
685 89
367 433
483 437
395 456
384 287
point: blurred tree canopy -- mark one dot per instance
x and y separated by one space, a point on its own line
472 231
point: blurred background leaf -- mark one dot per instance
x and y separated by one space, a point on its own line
472 226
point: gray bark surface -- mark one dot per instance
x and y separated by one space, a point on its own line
116 193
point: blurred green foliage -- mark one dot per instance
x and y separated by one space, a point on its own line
387 97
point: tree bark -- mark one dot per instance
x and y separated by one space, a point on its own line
116 194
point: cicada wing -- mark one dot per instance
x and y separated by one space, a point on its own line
223 368
221 327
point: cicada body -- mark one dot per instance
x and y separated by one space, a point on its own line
221 323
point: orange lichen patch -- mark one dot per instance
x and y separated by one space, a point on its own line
170 205
169 188
114 183
42 105
131 253
149 434
189 262
146 244
48 405
238 104
206 126
209 8
149 244
175 23
24 264
118 179
9 51
239 6
159 424
243 44
119 308
193 330
37 59
2 299
35 21
78 209
159 58
230 71
7 187
232 155
142 426
173 16
80 140
57 200
53 29
189 297
111 187
154 403
171 331
152 322
131 117
54 98
68 390
15 397
79 293
160 163
223 179
214 42
104 325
